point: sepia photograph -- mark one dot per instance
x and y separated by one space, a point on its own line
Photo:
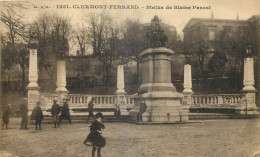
130 78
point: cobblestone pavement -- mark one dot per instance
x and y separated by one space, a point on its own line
211 138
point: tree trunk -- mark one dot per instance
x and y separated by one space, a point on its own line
138 72
201 75
23 76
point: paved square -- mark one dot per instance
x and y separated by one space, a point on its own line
219 138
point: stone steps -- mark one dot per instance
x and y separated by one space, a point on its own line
206 116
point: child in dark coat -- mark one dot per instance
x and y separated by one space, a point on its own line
37 115
94 138
5 115
117 112
24 111
65 112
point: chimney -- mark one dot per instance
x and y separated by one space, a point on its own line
237 16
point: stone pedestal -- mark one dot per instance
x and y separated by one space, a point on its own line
121 94
61 76
249 89
187 79
33 88
248 74
187 92
120 79
161 98
61 81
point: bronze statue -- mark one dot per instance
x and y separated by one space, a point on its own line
156 37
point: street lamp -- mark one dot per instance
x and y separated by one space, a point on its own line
248 50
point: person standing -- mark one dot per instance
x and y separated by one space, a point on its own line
94 138
5 115
65 112
142 109
91 108
117 112
55 110
37 115
24 114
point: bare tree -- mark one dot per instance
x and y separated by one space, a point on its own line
53 33
197 44
133 42
81 37
103 37
15 50
253 33
233 43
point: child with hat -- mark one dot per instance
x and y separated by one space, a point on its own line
94 138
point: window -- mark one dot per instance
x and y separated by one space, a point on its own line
227 30
242 31
211 34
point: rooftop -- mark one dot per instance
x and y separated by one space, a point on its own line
194 21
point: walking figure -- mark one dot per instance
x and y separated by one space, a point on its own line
37 115
55 110
91 108
24 113
117 112
142 109
95 137
65 112
5 115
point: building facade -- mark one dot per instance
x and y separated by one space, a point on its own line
223 37
214 29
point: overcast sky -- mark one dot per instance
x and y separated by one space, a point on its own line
222 9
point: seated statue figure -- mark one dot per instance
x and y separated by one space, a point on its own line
156 37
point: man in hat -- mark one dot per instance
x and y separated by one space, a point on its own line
55 110
142 109
65 112
24 111
91 108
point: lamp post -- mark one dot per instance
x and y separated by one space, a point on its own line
248 51
33 88
249 82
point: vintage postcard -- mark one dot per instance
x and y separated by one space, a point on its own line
143 78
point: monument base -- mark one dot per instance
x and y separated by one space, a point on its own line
161 107
61 95
33 97
248 110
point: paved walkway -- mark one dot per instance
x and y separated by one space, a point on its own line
211 138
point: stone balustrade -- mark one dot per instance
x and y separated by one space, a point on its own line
47 98
81 100
218 100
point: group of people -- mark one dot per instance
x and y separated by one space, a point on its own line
23 110
37 114
94 138
64 112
